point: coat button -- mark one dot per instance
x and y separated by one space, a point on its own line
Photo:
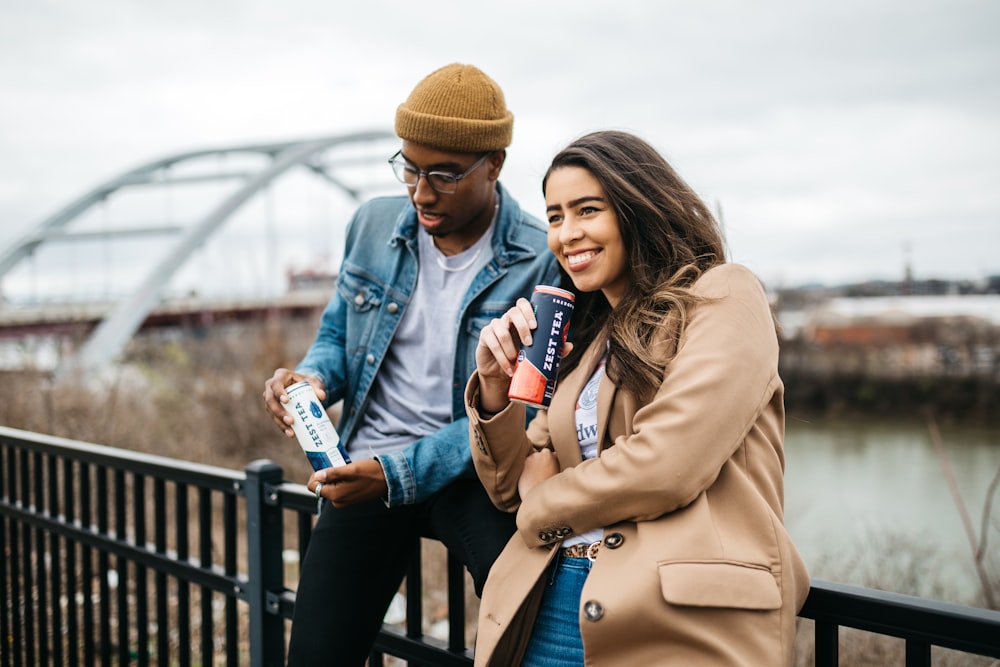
393 308
370 358
359 300
614 540
593 610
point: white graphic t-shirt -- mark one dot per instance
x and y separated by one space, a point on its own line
586 433
586 414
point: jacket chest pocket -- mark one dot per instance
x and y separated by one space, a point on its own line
363 299
362 296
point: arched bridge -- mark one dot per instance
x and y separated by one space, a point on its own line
353 164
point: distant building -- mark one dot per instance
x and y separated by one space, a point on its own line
308 280
898 335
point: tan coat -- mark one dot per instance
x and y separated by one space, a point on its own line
697 568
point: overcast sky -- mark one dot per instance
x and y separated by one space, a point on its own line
838 139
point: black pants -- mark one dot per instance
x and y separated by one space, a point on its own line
357 558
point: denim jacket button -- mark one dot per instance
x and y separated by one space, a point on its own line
370 359
393 308
359 300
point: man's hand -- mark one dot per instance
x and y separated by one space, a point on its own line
275 397
352 484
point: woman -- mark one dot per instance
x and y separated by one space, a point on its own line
649 495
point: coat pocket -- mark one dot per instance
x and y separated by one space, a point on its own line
719 584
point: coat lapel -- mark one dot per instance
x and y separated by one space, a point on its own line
606 393
562 411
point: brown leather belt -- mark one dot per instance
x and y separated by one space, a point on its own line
588 551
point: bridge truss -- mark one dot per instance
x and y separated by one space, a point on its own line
352 164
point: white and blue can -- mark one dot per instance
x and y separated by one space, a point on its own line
313 428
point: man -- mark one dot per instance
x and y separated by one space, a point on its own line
420 277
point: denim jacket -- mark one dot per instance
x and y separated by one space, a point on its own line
374 286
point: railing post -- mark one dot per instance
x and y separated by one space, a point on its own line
264 575
827 646
456 604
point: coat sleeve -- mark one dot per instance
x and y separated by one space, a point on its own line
500 444
723 376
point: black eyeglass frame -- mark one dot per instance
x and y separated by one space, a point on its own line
401 167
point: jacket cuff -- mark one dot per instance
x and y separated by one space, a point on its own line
398 479
472 402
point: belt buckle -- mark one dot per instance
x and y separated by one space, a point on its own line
591 552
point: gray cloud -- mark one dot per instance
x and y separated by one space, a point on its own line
832 135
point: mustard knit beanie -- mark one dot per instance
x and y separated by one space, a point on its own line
456 108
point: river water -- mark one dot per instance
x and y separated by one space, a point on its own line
869 503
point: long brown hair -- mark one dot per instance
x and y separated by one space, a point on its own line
670 237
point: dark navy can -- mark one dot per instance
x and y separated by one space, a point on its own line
534 379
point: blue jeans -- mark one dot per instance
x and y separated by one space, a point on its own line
555 638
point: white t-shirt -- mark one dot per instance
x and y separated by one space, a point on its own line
411 395
586 433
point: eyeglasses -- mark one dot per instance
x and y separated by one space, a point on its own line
444 182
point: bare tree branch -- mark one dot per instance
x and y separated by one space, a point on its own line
963 511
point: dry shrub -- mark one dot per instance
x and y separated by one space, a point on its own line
192 395
889 563
196 395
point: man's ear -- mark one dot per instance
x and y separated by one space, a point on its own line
496 163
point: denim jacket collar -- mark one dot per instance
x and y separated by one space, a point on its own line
506 248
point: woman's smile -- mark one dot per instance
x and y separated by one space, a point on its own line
579 261
584 234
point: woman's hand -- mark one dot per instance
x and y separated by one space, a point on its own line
496 355
538 467
501 340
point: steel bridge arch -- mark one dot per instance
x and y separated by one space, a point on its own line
113 332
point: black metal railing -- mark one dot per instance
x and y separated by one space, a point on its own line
923 624
98 556
113 556
116 557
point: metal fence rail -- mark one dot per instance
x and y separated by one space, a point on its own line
99 561
116 557
923 624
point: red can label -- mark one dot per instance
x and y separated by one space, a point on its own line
534 379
